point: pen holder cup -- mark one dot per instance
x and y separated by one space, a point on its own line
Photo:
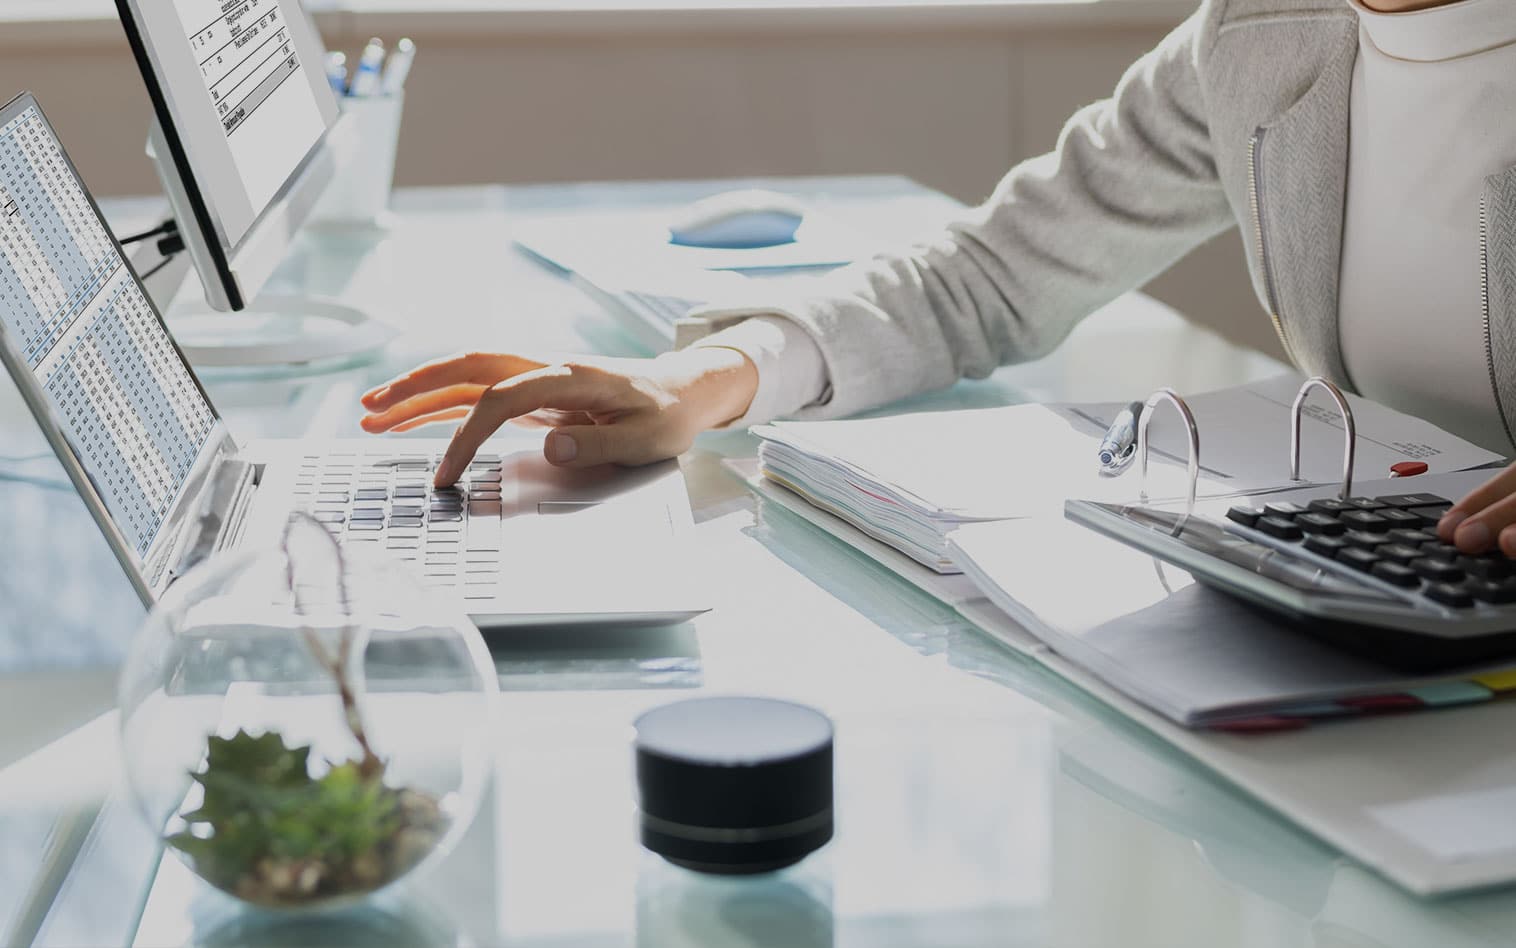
304 727
360 195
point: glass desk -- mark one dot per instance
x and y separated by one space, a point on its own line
980 800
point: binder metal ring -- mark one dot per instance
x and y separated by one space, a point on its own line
1350 430
1154 400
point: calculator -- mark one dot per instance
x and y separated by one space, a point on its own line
1367 573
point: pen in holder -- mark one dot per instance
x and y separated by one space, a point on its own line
360 195
1193 463
1349 429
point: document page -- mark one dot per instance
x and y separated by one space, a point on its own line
251 70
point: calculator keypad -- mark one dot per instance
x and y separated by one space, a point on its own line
1390 539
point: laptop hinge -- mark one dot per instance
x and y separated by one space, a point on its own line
220 512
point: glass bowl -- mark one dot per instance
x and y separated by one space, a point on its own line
304 726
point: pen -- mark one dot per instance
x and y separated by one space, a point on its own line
366 77
399 66
336 72
1120 442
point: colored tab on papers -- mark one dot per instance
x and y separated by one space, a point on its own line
1446 693
1498 681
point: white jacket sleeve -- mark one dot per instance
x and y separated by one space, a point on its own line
1131 187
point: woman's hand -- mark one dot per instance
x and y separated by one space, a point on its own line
1485 517
603 411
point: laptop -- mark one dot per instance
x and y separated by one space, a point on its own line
517 541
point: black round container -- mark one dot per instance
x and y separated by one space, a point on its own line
734 786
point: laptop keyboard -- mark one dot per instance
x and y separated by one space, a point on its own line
1389 542
451 536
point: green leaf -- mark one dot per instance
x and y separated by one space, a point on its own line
260 805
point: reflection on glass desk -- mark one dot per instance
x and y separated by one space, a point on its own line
980 800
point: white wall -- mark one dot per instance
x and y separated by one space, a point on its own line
951 95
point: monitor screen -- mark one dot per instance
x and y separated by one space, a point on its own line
245 94
76 318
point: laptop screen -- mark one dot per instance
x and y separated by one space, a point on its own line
132 413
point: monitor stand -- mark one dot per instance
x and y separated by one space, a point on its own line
278 332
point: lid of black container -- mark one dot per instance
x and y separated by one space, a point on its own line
734 785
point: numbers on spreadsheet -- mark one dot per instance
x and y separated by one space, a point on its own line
128 405
59 259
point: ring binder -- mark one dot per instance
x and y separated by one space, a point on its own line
1153 401
1347 423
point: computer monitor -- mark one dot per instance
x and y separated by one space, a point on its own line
246 136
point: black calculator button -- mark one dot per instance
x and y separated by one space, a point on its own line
1363 539
1426 500
1401 518
1279 527
1430 516
1365 503
1365 520
1449 594
1283 509
1358 558
1396 574
1245 515
1410 537
1438 571
1401 500
1330 505
1399 553
1487 567
1495 593
1320 523
1324 545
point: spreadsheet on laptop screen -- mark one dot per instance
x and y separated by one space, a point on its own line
130 409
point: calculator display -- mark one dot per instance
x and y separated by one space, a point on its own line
75 314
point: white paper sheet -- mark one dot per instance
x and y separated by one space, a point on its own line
1454 827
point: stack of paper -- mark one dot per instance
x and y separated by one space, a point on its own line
910 480
1199 657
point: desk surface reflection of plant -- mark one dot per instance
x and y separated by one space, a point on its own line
269 832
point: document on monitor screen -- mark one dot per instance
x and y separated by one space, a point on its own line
252 70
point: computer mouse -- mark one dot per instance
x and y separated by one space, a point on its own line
738 220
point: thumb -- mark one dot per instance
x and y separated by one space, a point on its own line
627 443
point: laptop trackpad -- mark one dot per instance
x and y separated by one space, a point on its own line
590 536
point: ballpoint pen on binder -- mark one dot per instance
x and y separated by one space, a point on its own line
1119 445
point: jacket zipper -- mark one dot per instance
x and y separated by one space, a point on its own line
1484 305
1255 194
